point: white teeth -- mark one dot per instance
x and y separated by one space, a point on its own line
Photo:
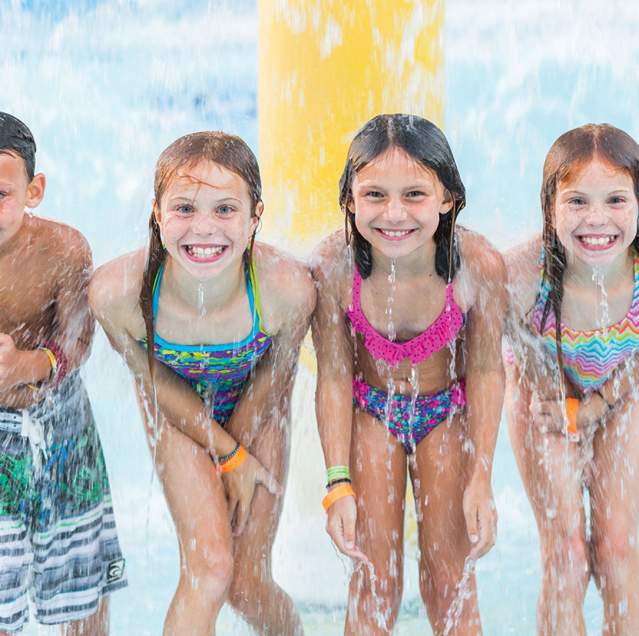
597 240
395 233
204 252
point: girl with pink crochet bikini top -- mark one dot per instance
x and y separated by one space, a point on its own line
440 333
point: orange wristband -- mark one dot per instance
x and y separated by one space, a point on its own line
339 492
572 408
235 462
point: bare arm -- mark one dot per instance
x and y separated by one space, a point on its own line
484 392
334 394
270 384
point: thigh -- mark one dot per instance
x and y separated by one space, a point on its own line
551 468
439 475
378 470
270 447
194 493
614 483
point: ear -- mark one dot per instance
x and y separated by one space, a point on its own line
350 206
35 190
255 218
157 213
447 202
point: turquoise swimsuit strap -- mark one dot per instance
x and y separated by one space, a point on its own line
251 288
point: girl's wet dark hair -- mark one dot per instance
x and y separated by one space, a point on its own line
227 151
15 137
566 157
426 144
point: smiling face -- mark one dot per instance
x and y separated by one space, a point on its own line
205 218
397 203
16 193
596 213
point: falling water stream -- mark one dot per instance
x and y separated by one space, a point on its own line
105 85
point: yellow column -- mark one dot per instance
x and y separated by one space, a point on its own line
325 67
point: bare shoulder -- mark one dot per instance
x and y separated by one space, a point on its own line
114 290
286 286
522 267
479 257
62 242
332 269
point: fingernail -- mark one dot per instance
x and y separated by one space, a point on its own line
473 538
349 544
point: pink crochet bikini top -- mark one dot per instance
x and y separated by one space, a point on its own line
440 333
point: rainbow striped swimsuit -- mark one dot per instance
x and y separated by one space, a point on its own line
591 356
217 372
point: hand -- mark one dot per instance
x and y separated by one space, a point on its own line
481 516
592 410
9 363
548 415
240 487
340 525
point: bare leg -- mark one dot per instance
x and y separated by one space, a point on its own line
378 465
254 593
196 499
439 477
95 625
551 469
615 516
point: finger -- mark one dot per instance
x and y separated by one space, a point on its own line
336 532
269 482
486 537
472 524
241 517
232 508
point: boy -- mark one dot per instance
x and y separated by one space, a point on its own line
57 532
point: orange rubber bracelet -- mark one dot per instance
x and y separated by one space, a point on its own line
572 408
235 462
339 492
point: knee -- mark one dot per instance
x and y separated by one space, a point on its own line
614 551
209 572
438 587
565 558
379 596
246 590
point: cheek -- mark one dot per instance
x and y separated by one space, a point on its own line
174 227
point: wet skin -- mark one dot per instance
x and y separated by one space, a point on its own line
44 272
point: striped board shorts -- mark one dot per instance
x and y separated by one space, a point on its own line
58 541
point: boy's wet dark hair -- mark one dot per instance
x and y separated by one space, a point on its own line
16 138
426 144
571 152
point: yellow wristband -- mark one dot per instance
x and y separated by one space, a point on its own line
235 462
52 361
339 492
572 408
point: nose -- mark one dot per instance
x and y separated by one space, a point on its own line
203 224
395 212
596 214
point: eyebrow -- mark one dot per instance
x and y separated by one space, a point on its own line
567 192
191 199
417 184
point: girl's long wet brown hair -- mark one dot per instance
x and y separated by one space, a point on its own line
426 144
566 157
225 150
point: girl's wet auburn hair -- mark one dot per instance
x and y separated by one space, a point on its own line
565 159
227 151
426 144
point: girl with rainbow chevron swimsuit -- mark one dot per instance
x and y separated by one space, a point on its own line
210 325
408 333
572 407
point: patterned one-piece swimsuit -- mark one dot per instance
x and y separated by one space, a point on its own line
217 372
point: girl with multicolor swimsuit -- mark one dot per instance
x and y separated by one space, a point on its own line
226 318
408 332
571 402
